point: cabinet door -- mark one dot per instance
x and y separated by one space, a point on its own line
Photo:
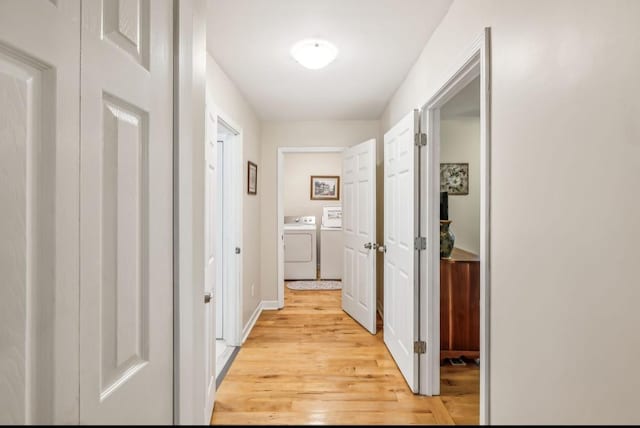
445 305
466 306
459 306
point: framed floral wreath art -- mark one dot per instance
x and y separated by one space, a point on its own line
454 178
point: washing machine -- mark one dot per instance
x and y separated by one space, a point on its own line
331 243
300 248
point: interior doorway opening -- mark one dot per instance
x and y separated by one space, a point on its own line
312 220
223 252
355 243
460 244
226 273
302 204
454 296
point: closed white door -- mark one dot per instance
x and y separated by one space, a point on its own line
39 153
231 180
210 274
126 204
399 234
359 226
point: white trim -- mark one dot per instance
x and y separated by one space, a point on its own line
280 229
475 62
280 207
265 305
189 130
315 149
270 305
252 321
485 225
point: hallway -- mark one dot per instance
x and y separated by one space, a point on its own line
310 363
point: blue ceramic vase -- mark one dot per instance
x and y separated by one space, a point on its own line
447 239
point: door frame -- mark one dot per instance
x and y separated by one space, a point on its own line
189 65
475 62
233 177
280 206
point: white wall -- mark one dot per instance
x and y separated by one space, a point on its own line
228 98
296 134
298 169
565 218
460 143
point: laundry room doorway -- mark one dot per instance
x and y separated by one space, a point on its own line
326 202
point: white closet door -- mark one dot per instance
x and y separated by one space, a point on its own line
39 152
211 261
359 226
399 259
126 205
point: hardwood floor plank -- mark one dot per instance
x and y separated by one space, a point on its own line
310 363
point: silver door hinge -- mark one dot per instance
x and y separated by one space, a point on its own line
420 347
420 139
420 243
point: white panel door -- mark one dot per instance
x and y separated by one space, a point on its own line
126 204
359 226
399 234
39 152
211 261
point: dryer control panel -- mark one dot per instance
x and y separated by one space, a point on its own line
310 219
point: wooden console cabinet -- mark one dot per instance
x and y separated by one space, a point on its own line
460 306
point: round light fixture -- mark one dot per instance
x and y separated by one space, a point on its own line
314 53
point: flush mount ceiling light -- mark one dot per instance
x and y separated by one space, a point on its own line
314 53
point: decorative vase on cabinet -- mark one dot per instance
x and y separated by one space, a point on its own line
447 239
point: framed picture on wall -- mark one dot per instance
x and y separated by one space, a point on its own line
454 178
325 187
252 178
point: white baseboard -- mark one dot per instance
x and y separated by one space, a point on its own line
379 308
265 305
270 305
252 321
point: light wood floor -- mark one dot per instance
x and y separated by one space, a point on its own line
310 363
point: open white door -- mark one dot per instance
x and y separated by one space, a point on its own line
211 262
399 233
359 226
39 152
126 206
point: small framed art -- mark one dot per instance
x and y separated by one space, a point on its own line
252 178
325 187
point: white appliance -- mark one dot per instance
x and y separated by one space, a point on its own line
300 248
331 243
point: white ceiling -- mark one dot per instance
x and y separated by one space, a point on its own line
378 40
465 103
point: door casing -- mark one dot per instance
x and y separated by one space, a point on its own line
190 57
475 62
